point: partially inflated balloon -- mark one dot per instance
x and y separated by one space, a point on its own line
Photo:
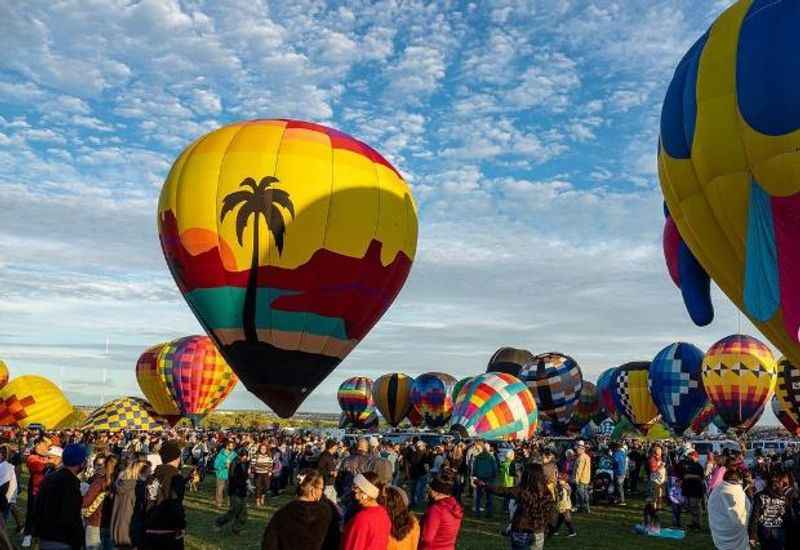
392 396
3 374
415 418
509 360
784 417
432 397
739 375
728 162
631 386
555 380
289 240
676 385
787 391
125 413
703 418
32 399
368 420
495 406
605 391
355 397
459 386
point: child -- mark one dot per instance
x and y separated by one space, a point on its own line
676 500
564 505
194 479
650 525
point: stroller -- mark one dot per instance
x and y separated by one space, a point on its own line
603 481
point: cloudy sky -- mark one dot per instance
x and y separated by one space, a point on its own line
527 129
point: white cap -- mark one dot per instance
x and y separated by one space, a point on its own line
55 450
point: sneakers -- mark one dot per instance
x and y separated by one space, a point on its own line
573 534
26 541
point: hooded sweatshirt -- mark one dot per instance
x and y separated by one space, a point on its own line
728 511
301 524
167 514
441 525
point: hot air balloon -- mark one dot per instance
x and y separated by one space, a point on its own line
633 395
787 391
152 379
289 240
555 380
392 396
368 420
739 375
495 406
414 418
125 413
3 374
676 385
510 360
459 385
355 397
703 419
791 425
432 397
32 399
728 162
605 391
587 408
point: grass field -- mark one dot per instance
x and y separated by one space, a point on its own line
607 528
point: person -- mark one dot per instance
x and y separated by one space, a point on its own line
351 466
650 524
657 477
692 487
405 530
237 494
771 509
418 465
262 472
564 506
327 465
36 463
506 477
620 472
379 464
728 513
308 522
442 521
484 470
99 500
58 505
583 477
124 503
165 517
222 465
8 485
370 527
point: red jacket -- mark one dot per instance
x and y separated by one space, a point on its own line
368 530
441 525
36 465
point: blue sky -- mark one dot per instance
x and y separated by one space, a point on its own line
527 130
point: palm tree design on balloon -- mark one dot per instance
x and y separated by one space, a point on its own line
261 199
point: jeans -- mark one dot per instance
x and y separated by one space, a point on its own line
237 514
92 538
676 514
693 507
219 497
582 494
771 538
482 494
418 488
619 488
521 540
564 519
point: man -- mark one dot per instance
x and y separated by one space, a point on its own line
222 466
484 469
37 463
327 465
728 513
417 467
165 517
620 472
583 477
637 458
351 466
8 484
58 505
692 475
237 493
379 464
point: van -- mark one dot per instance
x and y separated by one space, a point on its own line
716 446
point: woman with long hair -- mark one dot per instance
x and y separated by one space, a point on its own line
262 471
98 501
534 510
124 502
370 527
405 527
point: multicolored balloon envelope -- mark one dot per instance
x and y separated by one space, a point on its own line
3 374
555 380
187 377
787 391
432 397
32 399
739 375
459 386
392 396
728 162
125 413
605 390
703 419
289 240
588 407
355 397
676 385
414 418
368 420
632 393
791 425
509 360
495 406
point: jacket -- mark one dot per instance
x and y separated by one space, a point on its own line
583 469
300 524
410 542
728 511
368 530
237 479
222 463
58 506
441 525
166 513
620 463
94 500
122 515
484 467
533 520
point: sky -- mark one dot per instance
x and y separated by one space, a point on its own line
527 131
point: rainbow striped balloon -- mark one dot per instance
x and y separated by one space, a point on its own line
355 398
495 406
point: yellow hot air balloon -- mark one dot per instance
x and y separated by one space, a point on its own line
151 377
632 394
32 399
3 374
125 413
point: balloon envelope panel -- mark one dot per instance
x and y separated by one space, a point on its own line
432 397
355 397
288 240
555 380
32 399
495 406
676 385
392 396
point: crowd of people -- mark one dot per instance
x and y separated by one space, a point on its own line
126 490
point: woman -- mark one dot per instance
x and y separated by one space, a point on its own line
770 512
534 508
405 527
98 504
308 522
658 477
370 527
262 470
124 503
442 520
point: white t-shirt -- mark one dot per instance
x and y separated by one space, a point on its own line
7 474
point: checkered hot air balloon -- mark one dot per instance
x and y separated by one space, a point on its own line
509 360
125 413
788 421
605 392
739 375
676 385
495 406
556 381
392 396
432 397
587 409
787 392
355 397
32 399
632 395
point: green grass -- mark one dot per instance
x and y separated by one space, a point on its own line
606 528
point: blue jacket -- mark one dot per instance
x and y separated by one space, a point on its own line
620 463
